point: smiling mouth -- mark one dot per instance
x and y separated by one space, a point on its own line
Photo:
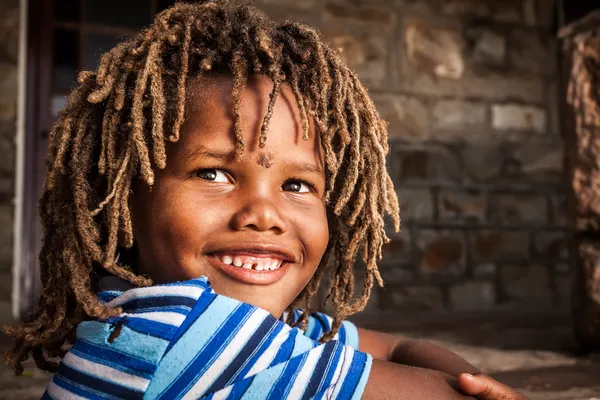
255 263
252 267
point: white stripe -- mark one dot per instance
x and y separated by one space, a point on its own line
165 317
58 393
106 373
306 372
223 393
268 355
185 291
228 354
336 374
347 360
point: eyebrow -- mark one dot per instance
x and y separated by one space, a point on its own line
204 152
304 167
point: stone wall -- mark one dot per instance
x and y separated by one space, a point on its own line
469 88
9 44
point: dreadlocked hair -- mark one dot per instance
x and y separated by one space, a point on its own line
114 129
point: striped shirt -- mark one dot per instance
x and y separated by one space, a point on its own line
184 341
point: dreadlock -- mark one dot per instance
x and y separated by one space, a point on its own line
113 131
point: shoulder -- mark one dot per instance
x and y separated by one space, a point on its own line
319 323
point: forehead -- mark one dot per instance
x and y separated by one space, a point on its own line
210 116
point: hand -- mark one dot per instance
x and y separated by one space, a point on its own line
485 388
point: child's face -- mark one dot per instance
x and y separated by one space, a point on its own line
207 212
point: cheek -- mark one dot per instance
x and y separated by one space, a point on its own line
315 234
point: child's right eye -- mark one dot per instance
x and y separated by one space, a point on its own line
212 174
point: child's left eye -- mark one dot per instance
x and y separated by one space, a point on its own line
212 174
296 186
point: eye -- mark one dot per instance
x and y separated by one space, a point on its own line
212 174
296 186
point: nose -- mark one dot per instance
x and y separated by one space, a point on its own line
259 214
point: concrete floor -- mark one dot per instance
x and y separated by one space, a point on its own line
533 352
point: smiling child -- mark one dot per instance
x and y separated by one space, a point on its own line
200 183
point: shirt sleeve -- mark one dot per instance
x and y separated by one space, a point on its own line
319 323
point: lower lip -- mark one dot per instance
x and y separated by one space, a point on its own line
251 276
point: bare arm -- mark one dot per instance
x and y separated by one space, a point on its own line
402 382
416 353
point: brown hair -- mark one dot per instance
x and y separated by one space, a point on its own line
114 129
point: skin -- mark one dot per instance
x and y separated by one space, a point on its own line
205 200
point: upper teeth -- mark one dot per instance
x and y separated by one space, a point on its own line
248 262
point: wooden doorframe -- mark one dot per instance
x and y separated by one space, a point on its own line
37 124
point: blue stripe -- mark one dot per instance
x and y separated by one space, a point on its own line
342 334
46 396
179 309
96 382
139 345
285 351
242 357
264 346
359 361
195 339
79 390
205 300
113 358
317 374
336 359
240 388
205 358
152 328
286 380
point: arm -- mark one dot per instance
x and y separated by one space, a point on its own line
423 373
416 353
402 382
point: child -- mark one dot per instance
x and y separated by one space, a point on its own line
200 183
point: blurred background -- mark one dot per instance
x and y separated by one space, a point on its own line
497 254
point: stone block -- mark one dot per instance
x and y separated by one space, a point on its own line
398 249
517 117
426 163
500 245
442 253
415 204
426 298
461 205
364 50
297 4
397 273
5 285
382 17
513 208
9 31
7 148
475 8
530 16
485 270
536 161
408 117
551 247
532 52
482 161
547 12
434 51
457 115
487 47
507 11
8 88
479 295
489 85
554 108
526 284
6 237
559 210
